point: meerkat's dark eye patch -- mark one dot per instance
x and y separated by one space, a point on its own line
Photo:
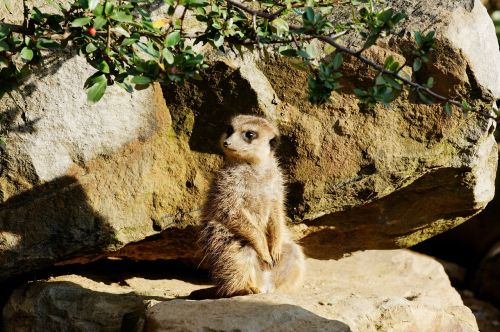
229 131
250 135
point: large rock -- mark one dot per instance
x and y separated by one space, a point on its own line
368 291
79 179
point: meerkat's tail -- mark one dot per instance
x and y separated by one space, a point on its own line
289 272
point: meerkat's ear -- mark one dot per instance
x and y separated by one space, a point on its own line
274 142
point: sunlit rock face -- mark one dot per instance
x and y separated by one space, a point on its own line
127 176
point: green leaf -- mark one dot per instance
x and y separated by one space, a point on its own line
430 82
397 18
430 36
465 106
125 86
122 17
281 26
4 63
129 41
371 40
173 38
311 50
4 30
108 8
91 47
386 15
424 97
99 10
388 62
121 31
99 22
447 108
141 80
417 64
309 14
392 82
47 43
97 88
103 67
83 3
26 54
360 93
418 38
380 80
93 4
289 52
4 46
218 40
337 61
36 15
79 22
169 57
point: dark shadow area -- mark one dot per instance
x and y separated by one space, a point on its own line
437 195
66 306
238 314
110 271
469 242
46 224
8 122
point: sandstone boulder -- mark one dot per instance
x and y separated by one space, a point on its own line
85 180
393 290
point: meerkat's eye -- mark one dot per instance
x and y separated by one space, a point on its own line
229 131
250 135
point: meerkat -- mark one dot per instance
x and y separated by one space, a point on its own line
245 239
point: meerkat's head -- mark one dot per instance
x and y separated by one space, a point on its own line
249 139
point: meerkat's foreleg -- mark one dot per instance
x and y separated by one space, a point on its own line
252 234
275 233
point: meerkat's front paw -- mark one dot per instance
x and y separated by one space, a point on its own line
267 259
276 253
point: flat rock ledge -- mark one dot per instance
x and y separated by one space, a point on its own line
375 290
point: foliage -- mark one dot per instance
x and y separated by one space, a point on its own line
120 39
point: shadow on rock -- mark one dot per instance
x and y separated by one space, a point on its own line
66 306
401 219
236 314
49 223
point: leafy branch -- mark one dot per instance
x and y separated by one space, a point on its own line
128 48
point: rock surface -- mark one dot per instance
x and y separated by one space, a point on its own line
488 276
78 179
487 316
393 290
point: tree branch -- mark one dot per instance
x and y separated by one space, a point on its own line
362 58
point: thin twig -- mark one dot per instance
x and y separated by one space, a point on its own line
182 18
108 37
15 27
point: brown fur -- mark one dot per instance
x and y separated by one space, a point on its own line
245 240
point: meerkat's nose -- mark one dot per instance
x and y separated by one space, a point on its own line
226 144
